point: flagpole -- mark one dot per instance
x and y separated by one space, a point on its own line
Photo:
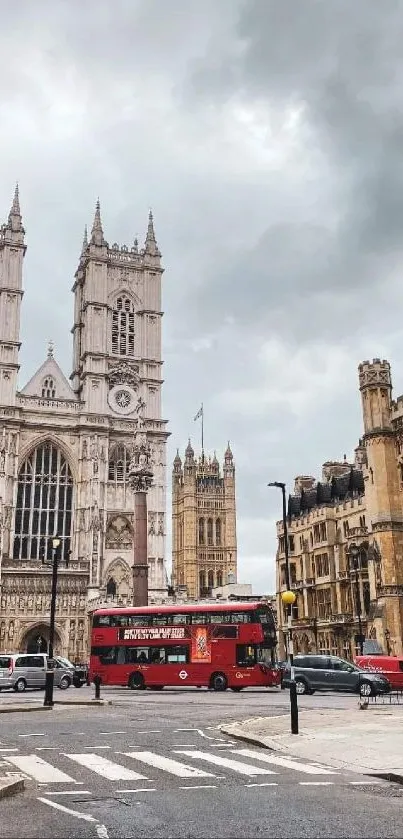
202 428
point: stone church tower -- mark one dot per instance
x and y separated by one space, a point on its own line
204 544
65 446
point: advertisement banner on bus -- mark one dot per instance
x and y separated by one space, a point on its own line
201 645
153 633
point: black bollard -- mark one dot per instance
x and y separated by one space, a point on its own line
97 683
294 708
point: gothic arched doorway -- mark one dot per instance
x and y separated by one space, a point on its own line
36 640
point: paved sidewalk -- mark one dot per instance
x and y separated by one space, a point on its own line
369 742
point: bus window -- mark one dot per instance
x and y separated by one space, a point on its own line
180 620
140 620
108 655
241 617
101 620
177 655
161 620
136 655
245 655
220 617
157 655
200 618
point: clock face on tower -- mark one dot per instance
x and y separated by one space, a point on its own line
122 399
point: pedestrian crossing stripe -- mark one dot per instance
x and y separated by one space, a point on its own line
228 763
43 772
286 762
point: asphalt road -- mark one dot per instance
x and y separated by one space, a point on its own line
156 765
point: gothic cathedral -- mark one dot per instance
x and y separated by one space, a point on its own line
65 445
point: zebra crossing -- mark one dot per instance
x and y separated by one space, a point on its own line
69 770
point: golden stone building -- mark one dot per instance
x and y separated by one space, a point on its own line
346 529
204 546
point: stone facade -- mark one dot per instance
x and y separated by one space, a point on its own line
359 505
204 544
66 446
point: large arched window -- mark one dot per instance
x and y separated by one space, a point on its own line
218 532
123 327
201 531
209 531
111 587
202 583
44 504
211 579
119 462
219 578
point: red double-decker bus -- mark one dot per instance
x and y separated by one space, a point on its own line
218 646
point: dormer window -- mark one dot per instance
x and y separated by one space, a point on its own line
48 388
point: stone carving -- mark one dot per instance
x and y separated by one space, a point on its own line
119 534
11 630
151 524
2 630
72 633
85 450
140 468
160 524
124 373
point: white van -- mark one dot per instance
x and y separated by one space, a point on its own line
24 670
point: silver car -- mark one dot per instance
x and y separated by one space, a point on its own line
24 670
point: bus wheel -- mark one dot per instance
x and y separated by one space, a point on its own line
156 687
236 689
136 681
219 681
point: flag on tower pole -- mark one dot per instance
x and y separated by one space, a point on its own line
200 415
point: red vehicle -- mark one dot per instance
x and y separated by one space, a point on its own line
390 666
215 646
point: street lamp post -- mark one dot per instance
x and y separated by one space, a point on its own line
354 553
288 598
48 700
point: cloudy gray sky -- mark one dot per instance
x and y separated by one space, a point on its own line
268 138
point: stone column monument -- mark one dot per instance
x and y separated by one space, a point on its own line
140 481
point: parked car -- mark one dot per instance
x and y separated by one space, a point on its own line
328 672
78 673
389 666
25 670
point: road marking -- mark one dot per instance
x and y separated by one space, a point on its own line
268 784
364 783
102 831
235 765
201 786
151 731
181 770
112 732
70 792
315 783
84 816
286 762
144 789
181 745
107 768
32 735
8 750
97 747
47 749
198 731
40 770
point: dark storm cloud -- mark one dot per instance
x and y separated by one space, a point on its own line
267 136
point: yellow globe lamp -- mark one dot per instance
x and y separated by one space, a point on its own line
288 598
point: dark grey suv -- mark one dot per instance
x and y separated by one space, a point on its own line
328 672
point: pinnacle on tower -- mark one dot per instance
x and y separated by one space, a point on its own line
15 207
85 241
151 247
14 216
97 233
51 348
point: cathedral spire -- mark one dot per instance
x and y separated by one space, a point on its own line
15 207
151 247
14 216
97 233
